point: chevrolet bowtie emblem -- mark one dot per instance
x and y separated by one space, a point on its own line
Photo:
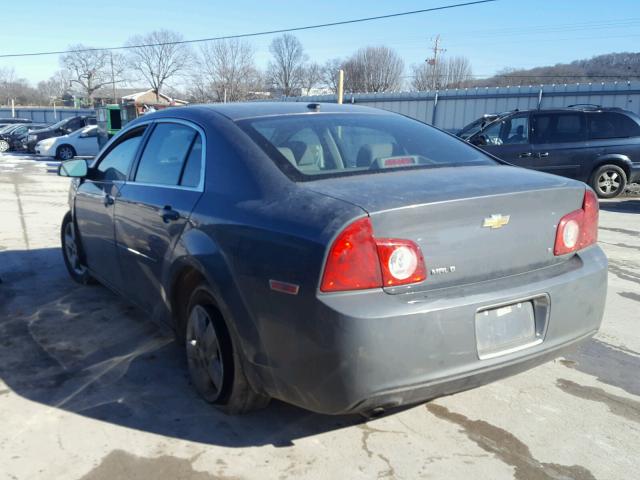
496 221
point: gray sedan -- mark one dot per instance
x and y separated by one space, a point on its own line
340 258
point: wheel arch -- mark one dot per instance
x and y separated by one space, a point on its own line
619 160
197 258
65 145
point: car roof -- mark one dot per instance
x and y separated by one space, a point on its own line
242 110
576 108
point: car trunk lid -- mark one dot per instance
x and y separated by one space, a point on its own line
472 223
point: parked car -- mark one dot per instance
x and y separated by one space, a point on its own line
11 137
63 127
599 146
83 142
12 121
314 253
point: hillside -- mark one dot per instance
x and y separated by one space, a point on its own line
602 68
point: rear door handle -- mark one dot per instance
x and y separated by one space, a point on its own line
108 200
168 214
525 155
543 154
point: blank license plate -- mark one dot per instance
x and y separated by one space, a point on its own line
505 329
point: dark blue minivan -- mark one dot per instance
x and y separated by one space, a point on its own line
599 146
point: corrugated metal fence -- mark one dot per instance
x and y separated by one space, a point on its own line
453 109
45 115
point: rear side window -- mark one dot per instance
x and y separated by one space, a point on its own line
165 154
612 125
193 167
320 145
116 163
559 128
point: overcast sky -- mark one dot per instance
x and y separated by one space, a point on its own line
507 33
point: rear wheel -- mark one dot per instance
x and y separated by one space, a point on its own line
609 181
4 146
65 152
214 359
71 252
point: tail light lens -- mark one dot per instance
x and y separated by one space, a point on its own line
578 229
401 262
358 261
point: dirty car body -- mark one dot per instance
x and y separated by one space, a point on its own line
340 272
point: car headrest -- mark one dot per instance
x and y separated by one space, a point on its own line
368 153
288 154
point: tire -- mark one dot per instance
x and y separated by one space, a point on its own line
608 181
65 152
213 357
72 253
4 146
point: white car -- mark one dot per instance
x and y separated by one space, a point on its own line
83 143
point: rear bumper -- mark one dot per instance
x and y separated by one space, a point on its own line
362 350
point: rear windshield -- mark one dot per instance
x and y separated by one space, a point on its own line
310 146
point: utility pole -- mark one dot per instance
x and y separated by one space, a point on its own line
113 80
433 61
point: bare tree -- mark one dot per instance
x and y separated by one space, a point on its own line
312 75
330 73
459 72
454 72
157 58
228 69
56 86
286 67
373 69
92 69
16 89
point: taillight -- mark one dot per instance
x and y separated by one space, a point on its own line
401 262
353 263
578 229
358 261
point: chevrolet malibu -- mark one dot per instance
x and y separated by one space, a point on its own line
339 258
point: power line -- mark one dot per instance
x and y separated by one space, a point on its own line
256 34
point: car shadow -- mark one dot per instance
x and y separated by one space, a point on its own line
85 350
621 206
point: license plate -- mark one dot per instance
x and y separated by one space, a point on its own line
505 329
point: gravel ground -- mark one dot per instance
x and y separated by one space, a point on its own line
91 389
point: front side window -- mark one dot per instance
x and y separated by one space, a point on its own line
516 130
116 163
165 154
559 128
312 146
604 125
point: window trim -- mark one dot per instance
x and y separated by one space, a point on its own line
136 163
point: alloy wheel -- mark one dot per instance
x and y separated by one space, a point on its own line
204 354
65 153
71 250
609 182
4 146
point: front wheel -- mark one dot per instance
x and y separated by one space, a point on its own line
4 146
609 181
214 359
65 152
71 252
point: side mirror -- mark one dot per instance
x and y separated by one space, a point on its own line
76 168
